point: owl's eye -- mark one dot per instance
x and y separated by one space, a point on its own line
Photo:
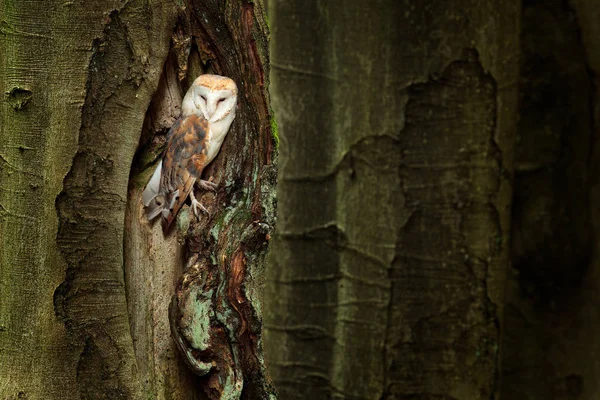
203 97
220 100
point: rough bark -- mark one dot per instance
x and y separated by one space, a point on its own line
215 315
397 126
551 316
77 82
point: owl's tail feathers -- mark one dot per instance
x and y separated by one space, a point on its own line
153 202
154 209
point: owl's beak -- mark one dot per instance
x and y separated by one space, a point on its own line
210 111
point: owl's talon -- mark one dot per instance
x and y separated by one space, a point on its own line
197 205
207 111
207 185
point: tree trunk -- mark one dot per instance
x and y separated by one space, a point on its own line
552 319
81 81
220 288
78 79
388 270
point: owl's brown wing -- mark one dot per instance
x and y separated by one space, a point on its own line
183 161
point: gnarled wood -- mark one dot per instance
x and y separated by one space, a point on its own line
215 312
77 79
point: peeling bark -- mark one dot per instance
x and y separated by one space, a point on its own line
80 81
76 93
215 315
91 301
397 128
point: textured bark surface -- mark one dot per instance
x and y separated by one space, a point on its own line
552 318
80 81
153 263
215 315
397 127
76 79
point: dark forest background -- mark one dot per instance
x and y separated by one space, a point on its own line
437 199
422 174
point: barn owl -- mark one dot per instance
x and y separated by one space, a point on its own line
207 111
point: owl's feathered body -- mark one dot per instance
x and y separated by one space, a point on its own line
208 109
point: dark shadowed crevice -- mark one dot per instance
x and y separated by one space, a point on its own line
552 242
552 233
91 299
216 293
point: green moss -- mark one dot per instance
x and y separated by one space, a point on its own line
140 179
274 129
216 229
146 164
265 14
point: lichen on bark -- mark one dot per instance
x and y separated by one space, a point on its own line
215 313
76 82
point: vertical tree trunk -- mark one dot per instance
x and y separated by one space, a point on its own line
552 317
220 288
387 274
77 79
